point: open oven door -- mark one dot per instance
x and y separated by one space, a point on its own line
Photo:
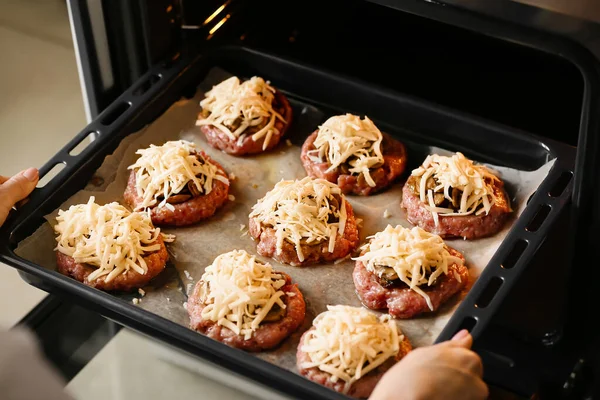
117 41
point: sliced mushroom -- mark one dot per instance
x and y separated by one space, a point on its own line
193 189
334 206
275 314
344 169
178 198
431 183
390 283
456 195
438 199
334 203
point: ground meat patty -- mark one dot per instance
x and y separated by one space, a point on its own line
394 155
189 212
360 389
122 283
267 243
220 140
402 302
468 226
267 336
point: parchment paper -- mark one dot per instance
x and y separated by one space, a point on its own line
196 246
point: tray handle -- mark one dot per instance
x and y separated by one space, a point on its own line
57 174
511 258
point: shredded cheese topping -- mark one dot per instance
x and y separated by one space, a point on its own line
348 139
164 171
108 237
349 342
300 212
414 256
243 106
239 291
456 173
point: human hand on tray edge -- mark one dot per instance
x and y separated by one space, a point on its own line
458 373
15 189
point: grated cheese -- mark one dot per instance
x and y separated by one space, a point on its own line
110 238
299 211
348 139
475 183
349 342
164 171
414 256
239 291
249 103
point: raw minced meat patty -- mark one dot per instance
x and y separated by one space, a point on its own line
362 388
220 140
124 282
316 253
468 226
267 336
188 212
394 155
402 302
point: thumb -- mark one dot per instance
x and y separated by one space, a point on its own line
461 339
16 189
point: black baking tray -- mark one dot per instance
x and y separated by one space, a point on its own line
409 119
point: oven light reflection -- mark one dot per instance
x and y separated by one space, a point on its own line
217 12
218 25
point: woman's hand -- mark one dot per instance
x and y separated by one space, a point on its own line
15 189
449 370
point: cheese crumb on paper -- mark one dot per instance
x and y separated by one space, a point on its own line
341 260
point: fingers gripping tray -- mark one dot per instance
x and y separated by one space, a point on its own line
538 175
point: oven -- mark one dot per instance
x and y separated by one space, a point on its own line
506 68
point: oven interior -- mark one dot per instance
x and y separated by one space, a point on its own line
525 350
